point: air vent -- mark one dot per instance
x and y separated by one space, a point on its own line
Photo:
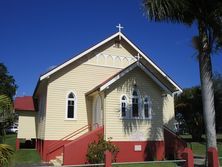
117 44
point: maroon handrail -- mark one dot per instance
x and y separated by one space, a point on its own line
177 136
60 143
68 136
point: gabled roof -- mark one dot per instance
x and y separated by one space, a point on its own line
146 61
24 103
77 57
125 71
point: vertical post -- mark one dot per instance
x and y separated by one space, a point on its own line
17 144
188 156
36 146
212 157
108 159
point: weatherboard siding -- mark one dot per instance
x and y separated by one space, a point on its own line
80 79
168 112
41 114
133 129
112 57
26 125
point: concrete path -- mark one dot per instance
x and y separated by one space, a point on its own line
199 160
34 165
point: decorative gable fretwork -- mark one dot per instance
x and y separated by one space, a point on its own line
107 60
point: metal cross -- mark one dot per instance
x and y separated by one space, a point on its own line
138 57
119 27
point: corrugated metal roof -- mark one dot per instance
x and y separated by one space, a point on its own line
24 103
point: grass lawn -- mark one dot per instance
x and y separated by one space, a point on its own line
199 148
23 156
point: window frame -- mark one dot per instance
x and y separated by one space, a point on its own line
149 103
75 106
126 102
138 103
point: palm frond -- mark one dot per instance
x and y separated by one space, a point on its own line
5 102
6 153
168 10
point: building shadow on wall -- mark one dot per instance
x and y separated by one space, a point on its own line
155 147
160 149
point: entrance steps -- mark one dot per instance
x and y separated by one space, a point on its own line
58 161
73 152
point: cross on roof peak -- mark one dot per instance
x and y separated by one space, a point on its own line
119 27
138 57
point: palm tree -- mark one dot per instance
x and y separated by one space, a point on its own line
6 151
207 16
6 115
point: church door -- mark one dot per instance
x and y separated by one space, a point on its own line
97 111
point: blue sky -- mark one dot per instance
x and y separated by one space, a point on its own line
38 34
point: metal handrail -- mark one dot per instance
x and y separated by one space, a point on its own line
67 136
60 143
129 163
172 132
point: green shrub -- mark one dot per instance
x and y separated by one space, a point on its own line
96 150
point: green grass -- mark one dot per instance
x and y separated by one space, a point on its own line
22 156
199 148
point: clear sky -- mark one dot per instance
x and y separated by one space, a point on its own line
36 35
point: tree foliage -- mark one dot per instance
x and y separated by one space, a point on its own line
189 106
7 117
218 100
7 82
7 91
189 110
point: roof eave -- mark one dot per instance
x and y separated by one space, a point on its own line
151 62
46 75
130 68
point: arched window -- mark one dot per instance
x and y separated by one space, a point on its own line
147 107
135 104
71 106
123 106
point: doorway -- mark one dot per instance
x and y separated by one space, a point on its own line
97 111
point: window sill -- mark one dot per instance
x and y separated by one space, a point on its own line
70 119
135 118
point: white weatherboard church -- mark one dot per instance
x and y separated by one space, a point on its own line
112 88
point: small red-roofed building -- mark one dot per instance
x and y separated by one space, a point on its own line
24 106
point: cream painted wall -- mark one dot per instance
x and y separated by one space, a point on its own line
41 114
26 125
79 77
112 57
135 129
168 112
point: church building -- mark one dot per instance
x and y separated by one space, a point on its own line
113 89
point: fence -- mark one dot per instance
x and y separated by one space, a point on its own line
171 162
